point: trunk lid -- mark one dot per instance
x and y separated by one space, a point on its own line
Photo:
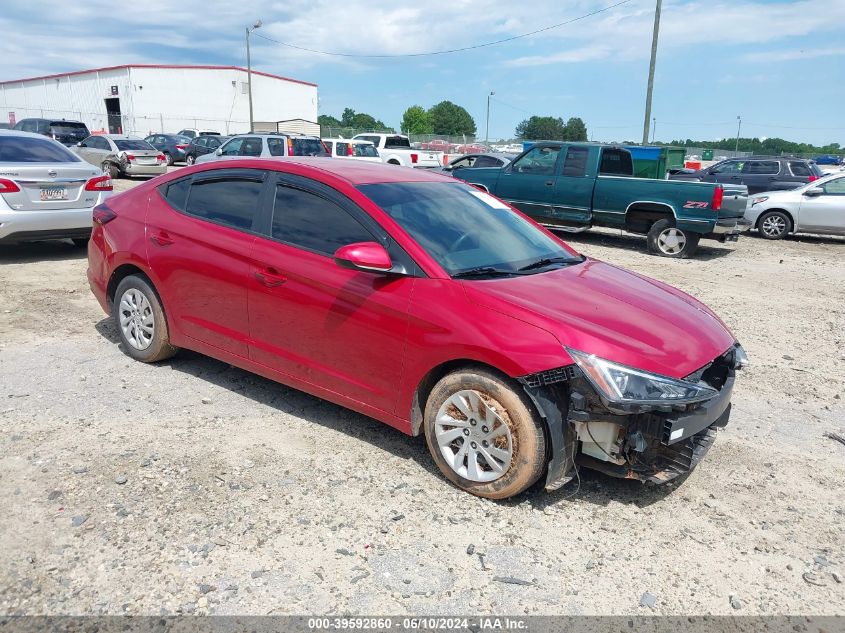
50 186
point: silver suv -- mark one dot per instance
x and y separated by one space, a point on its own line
267 146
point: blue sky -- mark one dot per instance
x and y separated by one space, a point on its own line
778 64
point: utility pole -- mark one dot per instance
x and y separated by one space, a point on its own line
257 25
738 127
651 71
487 129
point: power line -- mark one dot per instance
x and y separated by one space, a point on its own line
451 50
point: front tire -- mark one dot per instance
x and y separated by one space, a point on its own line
140 321
484 435
774 225
667 240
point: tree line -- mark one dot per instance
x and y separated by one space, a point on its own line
450 119
770 146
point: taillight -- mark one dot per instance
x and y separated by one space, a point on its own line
161 158
8 186
99 183
181 147
130 157
290 146
103 215
349 151
718 194
415 158
812 178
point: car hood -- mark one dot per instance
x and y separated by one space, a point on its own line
618 315
781 195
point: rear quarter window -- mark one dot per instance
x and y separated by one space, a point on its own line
176 193
308 147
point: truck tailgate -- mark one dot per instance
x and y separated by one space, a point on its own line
734 201
428 158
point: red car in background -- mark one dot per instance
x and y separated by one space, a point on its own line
438 145
424 303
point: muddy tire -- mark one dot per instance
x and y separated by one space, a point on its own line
667 240
140 321
484 434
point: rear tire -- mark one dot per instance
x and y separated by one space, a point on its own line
111 169
774 225
394 162
140 321
484 435
190 160
667 240
169 158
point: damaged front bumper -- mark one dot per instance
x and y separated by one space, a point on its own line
653 443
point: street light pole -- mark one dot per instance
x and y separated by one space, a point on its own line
257 25
487 128
651 71
738 127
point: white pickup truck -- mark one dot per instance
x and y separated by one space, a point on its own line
395 149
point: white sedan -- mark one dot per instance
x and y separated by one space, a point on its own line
817 207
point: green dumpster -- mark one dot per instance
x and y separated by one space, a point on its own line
707 154
655 161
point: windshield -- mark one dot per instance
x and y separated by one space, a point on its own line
67 128
465 229
27 149
123 144
308 147
364 149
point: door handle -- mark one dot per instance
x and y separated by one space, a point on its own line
161 239
270 277
550 183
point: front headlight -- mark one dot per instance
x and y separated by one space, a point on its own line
758 200
621 384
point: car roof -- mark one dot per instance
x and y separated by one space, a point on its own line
353 171
5 132
120 137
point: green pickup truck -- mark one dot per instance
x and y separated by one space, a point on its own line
576 186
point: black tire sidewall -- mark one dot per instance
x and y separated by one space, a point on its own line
529 458
773 213
160 347
190 160
690 246
168 158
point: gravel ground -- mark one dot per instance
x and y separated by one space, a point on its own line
194 487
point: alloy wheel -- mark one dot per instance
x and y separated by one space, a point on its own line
671 241
136 319
473 437
773 226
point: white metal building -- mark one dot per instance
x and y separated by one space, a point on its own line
142 98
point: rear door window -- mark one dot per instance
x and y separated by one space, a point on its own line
29 149
251 146
364 149
232 201
575 163
341 149
762 167
309 221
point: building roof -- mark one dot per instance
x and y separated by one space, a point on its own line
162 66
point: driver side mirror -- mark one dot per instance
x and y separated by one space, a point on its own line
814 191
81 144
219 151
365 256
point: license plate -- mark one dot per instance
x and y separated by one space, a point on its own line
53 193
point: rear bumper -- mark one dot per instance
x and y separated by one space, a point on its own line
145 170
27 226
728 230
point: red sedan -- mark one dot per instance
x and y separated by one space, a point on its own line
424 303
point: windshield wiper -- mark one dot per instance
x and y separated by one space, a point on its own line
484 271
546 261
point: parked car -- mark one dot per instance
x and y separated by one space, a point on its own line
65 132
439 145
266 146
424 303
202 145
46 191
395 149
576 186
472 148
5 126
173 146
475 161
120 155
757 173
192 132
817 207
352 149
828 159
